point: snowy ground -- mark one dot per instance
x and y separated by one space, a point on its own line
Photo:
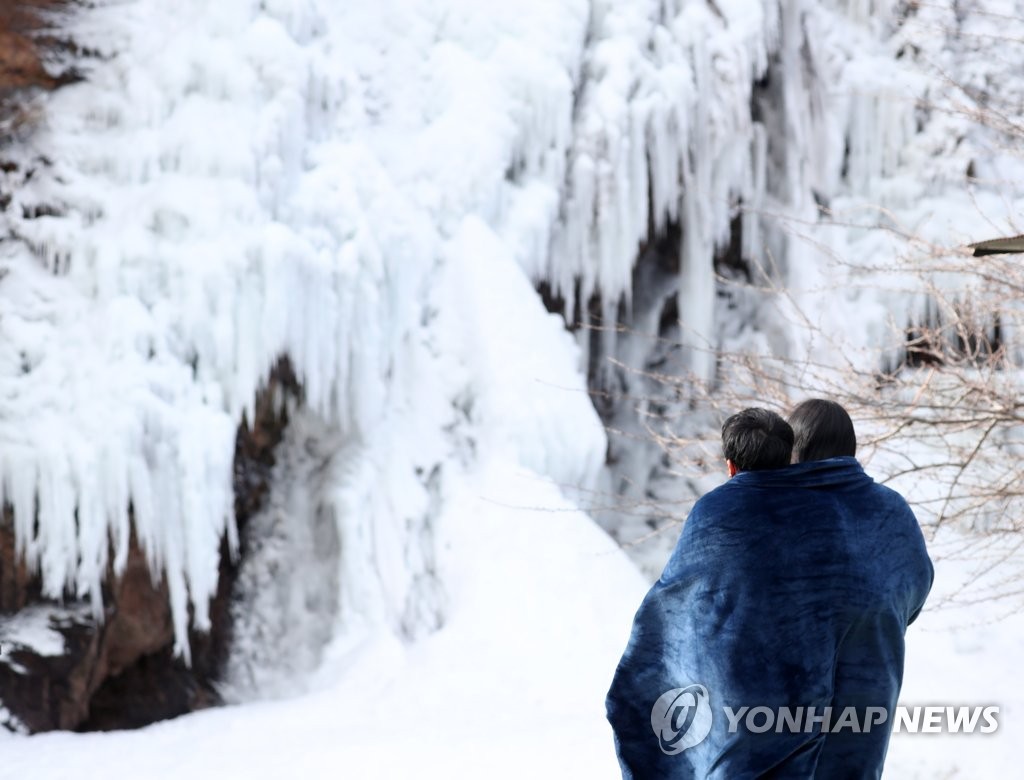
962 655
513 684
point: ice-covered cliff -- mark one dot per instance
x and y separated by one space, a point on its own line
377 192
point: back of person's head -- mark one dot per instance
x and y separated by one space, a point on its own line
823 430
757 439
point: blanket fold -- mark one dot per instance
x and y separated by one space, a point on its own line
789 590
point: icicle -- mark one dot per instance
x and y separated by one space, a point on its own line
283 180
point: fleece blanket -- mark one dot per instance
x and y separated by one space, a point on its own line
788 594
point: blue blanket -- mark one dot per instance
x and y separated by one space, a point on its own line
788 589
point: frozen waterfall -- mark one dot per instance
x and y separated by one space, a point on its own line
374 190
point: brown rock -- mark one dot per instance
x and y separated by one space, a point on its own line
24 42
21 64
121 672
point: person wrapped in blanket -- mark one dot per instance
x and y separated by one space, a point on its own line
772 645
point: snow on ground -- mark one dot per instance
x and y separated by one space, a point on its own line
963 655
512 686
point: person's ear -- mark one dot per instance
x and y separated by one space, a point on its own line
731 467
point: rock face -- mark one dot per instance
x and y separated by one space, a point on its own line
28 49
44 691
120 672
26 43
21 63
60 666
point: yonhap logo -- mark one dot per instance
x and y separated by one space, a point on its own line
681 718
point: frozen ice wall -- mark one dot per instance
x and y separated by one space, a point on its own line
375 190
929 164
347 185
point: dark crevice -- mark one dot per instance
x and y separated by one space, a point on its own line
159 686
729 260
121 672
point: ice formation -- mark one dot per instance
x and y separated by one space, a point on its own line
373 190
